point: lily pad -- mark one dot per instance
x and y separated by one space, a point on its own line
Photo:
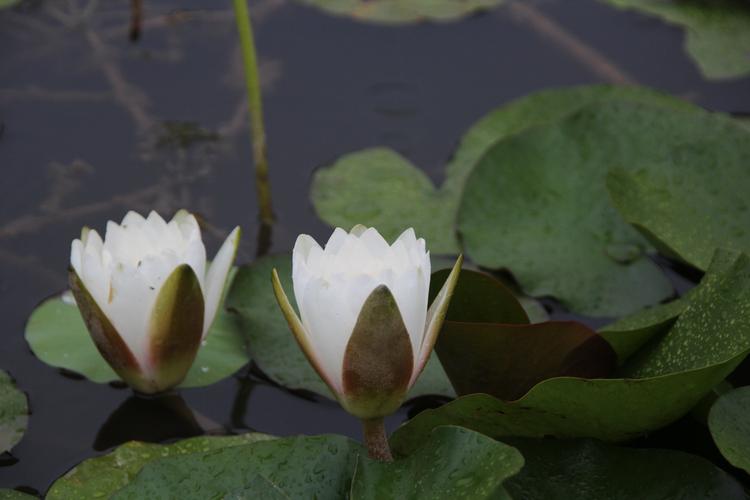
296 467
14 413
272 345
479 298
717 33
685 206
730 427
548 185
4 4
403 11
674 373
506 361
630 333
400 195
455 463
100 477
57 335
586 469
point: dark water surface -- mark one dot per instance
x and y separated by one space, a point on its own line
89 123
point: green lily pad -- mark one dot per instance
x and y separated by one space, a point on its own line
295 467
707 342
4 4
455 463
630 333
717 32
730 427
57 335
548 185
400 195
586 469
100 477
272 345
403 11
685 206
14 413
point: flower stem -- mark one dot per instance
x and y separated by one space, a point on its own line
376 440
255 105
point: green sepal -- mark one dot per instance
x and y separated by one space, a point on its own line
298 330
378 361
175 328
106 338
435 317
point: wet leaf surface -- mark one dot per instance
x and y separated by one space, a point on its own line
587 469
548 185
730 427
102 476
665 380
455 463
685 207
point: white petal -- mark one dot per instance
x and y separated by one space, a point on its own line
336 241
133 219
408 238
329 324
129 310
187 223
375 243
217 276
411 296
300 274
76 250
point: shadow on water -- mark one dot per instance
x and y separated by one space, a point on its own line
92 124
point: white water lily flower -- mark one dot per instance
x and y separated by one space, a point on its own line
147 295
365 326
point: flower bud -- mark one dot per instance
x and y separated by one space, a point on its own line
364 324
148 296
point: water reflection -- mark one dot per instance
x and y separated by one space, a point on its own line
154 419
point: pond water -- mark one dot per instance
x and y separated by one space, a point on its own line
93 125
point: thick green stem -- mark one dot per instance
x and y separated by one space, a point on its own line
255 104
376 440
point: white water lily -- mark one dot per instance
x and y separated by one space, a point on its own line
364 324
147 294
